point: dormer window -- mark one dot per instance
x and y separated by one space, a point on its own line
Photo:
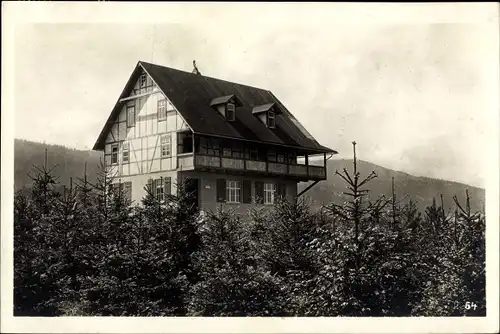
271 119
230 111
226 106
267 114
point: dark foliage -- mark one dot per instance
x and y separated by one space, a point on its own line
83 249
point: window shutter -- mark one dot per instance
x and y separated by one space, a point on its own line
151 186
167 185
221 190
247 191
259 192
128 190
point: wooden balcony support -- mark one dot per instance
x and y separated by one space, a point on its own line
308 187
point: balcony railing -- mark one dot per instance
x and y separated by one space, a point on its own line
306 172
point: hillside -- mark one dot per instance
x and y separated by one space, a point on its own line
71 163
420 189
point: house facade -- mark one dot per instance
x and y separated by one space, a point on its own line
232 143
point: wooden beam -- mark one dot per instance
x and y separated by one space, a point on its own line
308 187
324 162
136 96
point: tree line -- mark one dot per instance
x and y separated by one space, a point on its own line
83 249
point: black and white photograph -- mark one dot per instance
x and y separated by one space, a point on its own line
250 167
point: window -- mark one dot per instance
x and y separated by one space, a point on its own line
125 152
142 80
226 152
131 115
122 189
254 154
162 110
114 154
272 156
165 146
160 190
160 187
209 146
233 191
237 152
230 112
271 119
269 193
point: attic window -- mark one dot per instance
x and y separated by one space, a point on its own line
142 80
271 119
162 109
267 114
230 111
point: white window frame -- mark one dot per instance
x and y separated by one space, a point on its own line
114 154
233 191
160 190
166 146
126 149
269 193
130 121
162 110
271 116
231 110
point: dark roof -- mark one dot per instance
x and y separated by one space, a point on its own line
192 95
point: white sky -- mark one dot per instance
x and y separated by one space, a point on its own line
416 94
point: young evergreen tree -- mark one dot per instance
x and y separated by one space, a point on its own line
456 284
365 259
231 283
282 237
35 285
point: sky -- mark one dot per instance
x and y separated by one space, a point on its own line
415 96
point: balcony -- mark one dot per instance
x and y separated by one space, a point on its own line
236 165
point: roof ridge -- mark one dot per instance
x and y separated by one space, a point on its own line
204 76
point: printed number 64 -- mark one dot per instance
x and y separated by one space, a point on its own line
469 305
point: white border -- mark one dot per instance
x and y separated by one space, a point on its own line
14 13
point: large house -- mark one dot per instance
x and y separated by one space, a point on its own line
230 142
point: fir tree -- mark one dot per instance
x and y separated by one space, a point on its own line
230 282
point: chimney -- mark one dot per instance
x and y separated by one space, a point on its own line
195 69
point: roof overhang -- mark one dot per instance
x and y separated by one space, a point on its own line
225 99
263 108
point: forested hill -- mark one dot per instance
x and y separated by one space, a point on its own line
418 188
71 163
68 162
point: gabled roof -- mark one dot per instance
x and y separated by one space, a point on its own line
192 95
